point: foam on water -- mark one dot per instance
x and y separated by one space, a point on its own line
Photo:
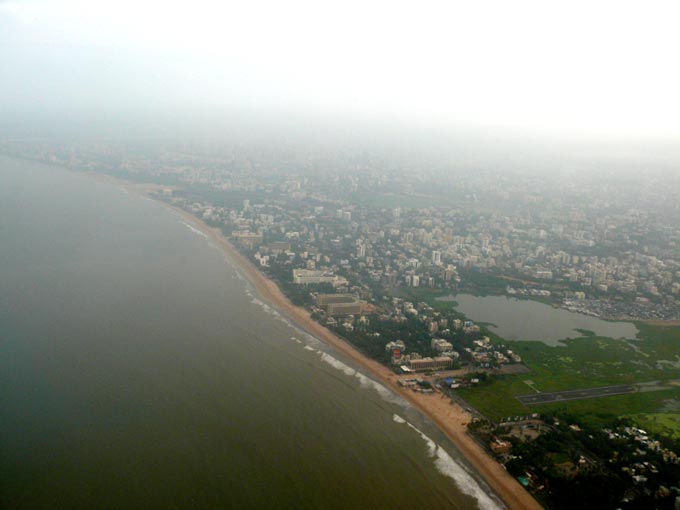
336 363
452 469
310 339
431 445
443 461
398 419
236 271
365 382
264 306
249 291
385 393
449 467
194 230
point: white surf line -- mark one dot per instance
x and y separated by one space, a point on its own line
447 466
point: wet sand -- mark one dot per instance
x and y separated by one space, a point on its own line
448 416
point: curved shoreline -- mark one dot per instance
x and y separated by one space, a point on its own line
449 417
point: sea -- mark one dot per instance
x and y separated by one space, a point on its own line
139 369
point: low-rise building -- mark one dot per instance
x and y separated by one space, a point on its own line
307 276
340 304
437 363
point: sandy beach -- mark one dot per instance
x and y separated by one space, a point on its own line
448 416
451 419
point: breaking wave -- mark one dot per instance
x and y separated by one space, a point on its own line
449 467
311 339
385 393
398 419
452 469
336 363
364 382
237 271
194 230
267 308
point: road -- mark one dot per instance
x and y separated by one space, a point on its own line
560 396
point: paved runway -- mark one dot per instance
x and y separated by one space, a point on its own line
560 396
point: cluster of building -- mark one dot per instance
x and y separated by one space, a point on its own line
616 243
356 232
486 354
645 443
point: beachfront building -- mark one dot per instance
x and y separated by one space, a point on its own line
437 363
247 238
441 345
396 350
340 304
307 276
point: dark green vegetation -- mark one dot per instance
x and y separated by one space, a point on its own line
587 445
135 373
482 284
372 338
587 362
426 295
586 332
571 462
663 424
559 461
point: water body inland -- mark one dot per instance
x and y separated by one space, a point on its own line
521 319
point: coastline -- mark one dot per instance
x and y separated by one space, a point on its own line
449 417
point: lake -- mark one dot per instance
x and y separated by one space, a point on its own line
521 319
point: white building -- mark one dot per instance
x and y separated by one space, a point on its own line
306 276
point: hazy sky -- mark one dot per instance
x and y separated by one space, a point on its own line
593 65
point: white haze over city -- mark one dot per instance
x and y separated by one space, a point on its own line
573 67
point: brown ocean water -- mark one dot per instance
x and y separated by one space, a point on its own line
138 370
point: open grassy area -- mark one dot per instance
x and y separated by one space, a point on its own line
661 343
425 295
667 424
587 362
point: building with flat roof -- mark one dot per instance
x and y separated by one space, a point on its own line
440 362
326 299
307 276
340 304
247 238
335 309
